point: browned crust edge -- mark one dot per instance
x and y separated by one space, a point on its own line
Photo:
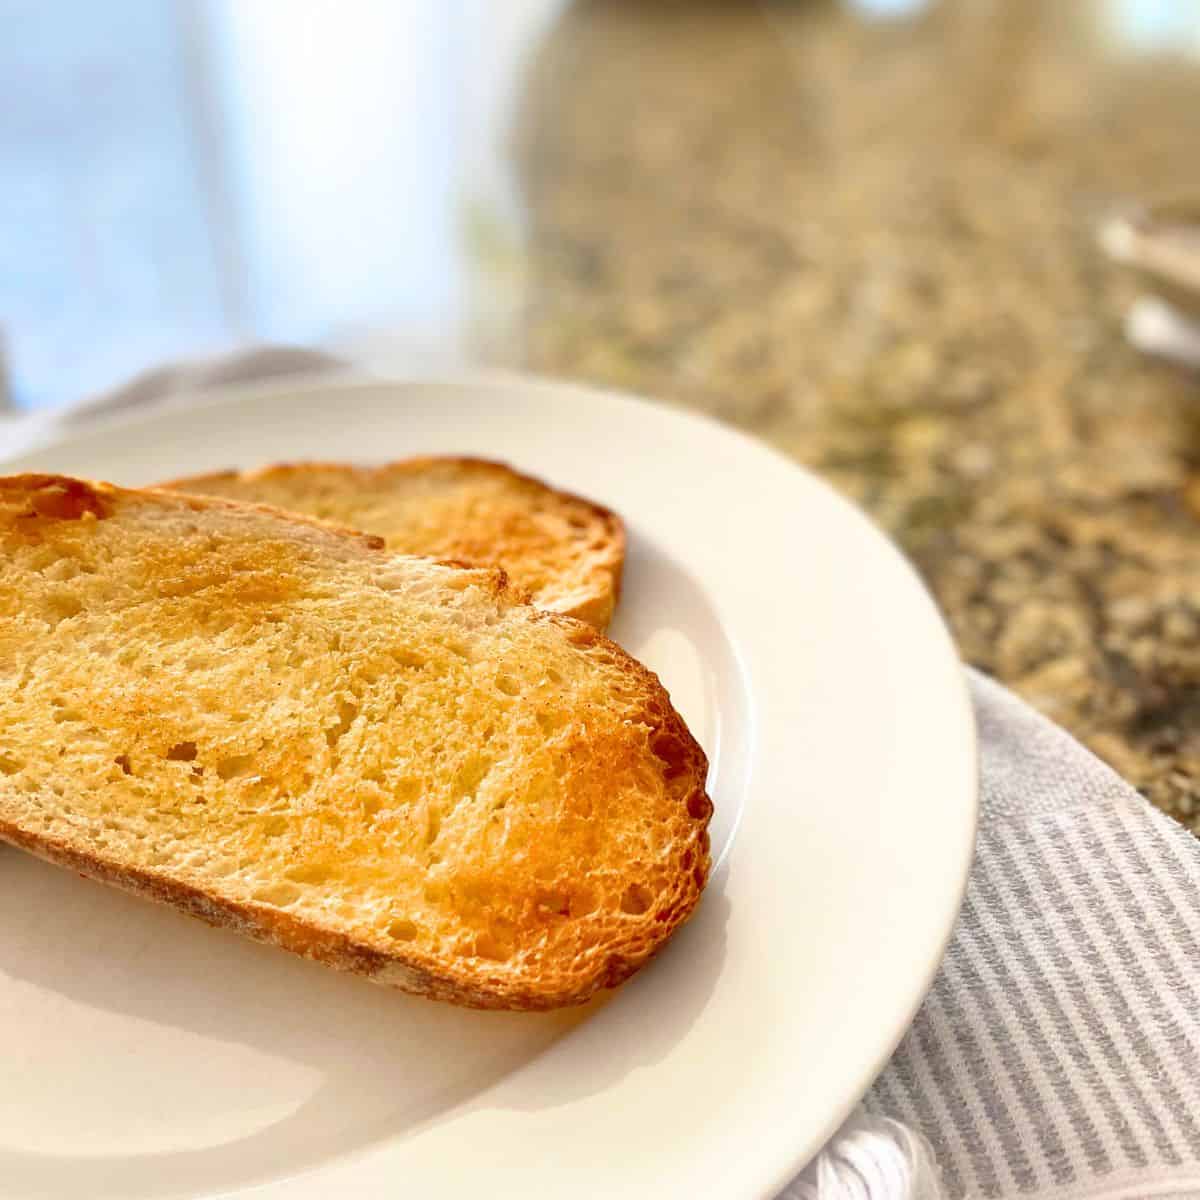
74 497
596 610
436 978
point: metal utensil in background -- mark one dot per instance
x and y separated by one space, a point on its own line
1160 243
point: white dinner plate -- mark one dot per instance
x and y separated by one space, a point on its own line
146 1055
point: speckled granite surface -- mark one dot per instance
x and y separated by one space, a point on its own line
873 244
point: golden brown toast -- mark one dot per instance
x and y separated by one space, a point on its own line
565 551
392 765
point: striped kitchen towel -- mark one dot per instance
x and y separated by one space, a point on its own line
1057 1056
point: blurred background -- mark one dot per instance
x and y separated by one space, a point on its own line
922 246
178 176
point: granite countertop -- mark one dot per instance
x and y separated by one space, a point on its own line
872 243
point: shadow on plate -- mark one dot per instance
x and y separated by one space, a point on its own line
154 1056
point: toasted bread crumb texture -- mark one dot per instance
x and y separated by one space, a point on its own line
566 552
393 765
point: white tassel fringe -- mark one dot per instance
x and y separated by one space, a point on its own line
870 1158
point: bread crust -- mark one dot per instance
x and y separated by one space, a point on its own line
32 505
600 568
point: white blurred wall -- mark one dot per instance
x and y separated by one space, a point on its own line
339 119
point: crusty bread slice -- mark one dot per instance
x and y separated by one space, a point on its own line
392 765
565 551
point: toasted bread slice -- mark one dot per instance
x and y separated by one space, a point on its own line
566 552
395 766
